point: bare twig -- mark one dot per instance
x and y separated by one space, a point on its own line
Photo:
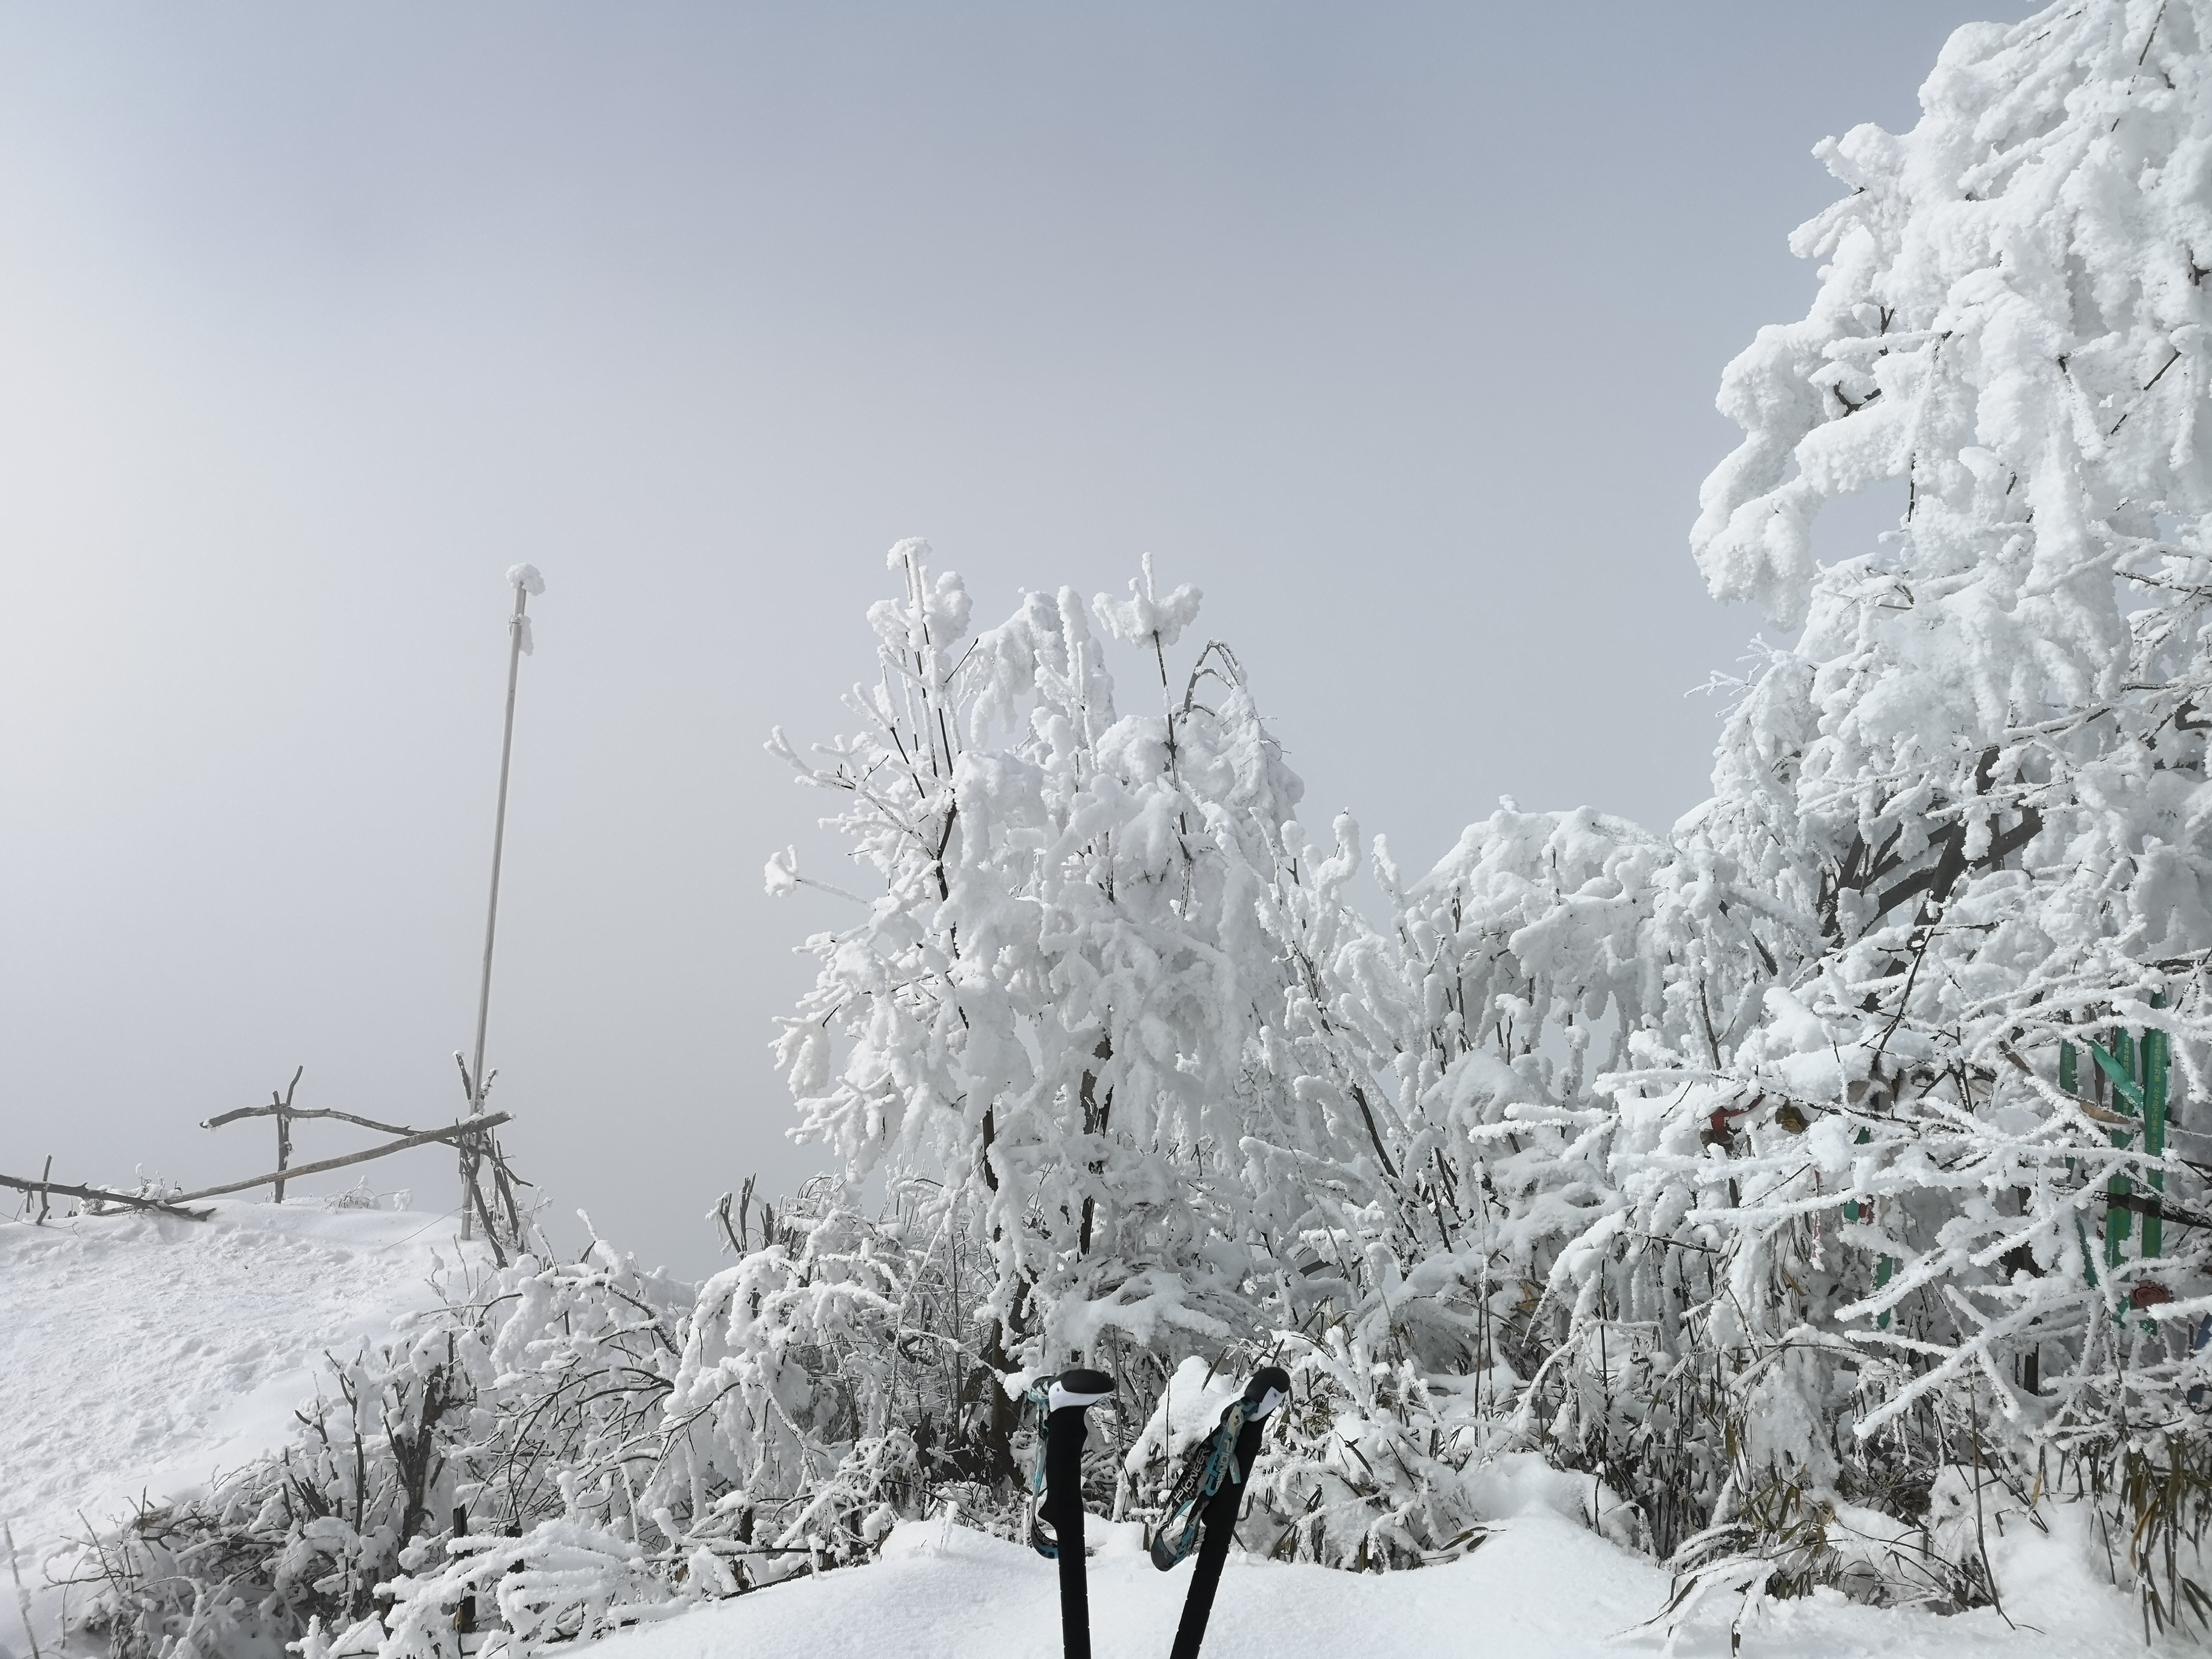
22 1595
729 1232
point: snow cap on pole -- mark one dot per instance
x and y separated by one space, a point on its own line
524 580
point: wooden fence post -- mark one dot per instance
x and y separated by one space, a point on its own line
284 1104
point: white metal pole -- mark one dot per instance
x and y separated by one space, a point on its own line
526 582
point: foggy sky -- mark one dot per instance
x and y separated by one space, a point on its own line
1394 327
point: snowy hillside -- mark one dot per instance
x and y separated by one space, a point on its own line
144 1353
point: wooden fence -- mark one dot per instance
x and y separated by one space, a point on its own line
503 1215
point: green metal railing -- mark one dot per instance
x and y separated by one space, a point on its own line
2136 1067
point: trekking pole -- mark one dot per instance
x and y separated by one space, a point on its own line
1228 1460
1064 1399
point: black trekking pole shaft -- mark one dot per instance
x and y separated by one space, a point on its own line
1222 1511
1063 1506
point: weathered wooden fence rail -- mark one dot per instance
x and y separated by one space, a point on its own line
473 1136
452 1133
408 1139
42 1189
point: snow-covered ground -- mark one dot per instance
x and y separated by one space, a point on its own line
1541 1587
144 1354
139 1354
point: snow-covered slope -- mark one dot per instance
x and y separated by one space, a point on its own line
142 1353
1541 1587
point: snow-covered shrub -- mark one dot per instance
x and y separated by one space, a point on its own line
564 1580
825 1385
567 1447
475 1418
1370 1468
306 1535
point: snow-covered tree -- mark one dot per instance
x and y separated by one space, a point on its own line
1056 1004
1980 771
1974 788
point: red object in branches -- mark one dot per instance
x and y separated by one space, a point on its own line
2148 1295
1719 1130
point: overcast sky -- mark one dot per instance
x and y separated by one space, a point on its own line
1394 327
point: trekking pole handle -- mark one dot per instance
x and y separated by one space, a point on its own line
1067 1398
